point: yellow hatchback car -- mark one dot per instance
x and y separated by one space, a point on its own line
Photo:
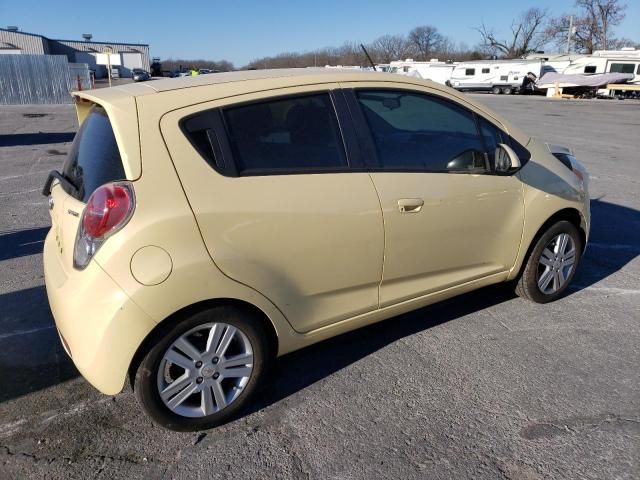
202 226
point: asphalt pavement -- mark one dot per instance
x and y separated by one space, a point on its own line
486 385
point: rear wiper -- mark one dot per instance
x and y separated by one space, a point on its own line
56 175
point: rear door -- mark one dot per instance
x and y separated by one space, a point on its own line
448 219
279 203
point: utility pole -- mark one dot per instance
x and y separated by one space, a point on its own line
569 35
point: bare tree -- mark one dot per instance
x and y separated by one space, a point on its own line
527 35
592 25
426 40
390 47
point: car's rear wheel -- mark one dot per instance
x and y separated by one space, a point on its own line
552 264
203 370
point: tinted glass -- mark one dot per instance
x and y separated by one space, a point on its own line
94 158
492 136
414 131
290 134
470 71
622 67
485 70
590 69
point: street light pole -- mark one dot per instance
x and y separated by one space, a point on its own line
569 35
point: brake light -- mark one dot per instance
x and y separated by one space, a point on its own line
108 210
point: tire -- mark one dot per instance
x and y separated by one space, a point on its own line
156 372
507 90
541 264
496 90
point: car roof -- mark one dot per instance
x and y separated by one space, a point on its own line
294 76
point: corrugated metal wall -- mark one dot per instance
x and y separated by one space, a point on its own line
70 47
35 79
26 42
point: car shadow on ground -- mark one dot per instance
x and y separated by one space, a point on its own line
32 357
614 241
41 138
21 243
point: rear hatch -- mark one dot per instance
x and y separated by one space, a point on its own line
93 160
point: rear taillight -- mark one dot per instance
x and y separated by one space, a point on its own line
108 210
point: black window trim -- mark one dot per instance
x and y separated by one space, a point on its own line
375 165
229 167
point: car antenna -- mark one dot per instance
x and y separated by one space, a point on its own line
368 57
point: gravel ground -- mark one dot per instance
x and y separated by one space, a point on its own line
482 386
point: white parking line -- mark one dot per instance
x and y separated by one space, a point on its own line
25 332
615 246
619 291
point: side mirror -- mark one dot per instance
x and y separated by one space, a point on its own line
506 159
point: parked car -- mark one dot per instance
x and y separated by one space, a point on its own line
270 206
140 75
184 72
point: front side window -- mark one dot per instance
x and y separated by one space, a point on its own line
295 134
590 69
622 67
492 136
413 131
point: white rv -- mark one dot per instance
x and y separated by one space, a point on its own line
497 76
434 69
554 62
608 61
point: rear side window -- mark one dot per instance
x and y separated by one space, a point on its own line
421 132
94 158
286 135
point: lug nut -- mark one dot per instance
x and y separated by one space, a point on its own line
215 360
198 364
216 375
199 380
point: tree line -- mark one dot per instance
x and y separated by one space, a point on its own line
592 23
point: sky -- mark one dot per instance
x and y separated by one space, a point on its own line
243 30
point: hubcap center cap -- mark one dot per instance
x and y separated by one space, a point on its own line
208 371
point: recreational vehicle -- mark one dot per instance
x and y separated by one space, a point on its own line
497 76
626 60
439 72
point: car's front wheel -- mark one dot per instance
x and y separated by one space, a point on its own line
202 370
551 264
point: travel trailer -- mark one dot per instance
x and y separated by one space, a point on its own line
497 76
439 72
608 61
554 62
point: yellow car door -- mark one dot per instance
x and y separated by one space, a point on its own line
278 204
448 218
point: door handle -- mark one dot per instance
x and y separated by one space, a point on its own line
410 205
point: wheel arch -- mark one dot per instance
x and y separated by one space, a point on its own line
163 326
569 214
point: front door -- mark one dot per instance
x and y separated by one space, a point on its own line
448 219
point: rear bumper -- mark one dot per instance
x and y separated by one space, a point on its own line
100 325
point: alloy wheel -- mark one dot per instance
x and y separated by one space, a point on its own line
556 264
205 370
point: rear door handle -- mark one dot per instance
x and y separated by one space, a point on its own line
410 205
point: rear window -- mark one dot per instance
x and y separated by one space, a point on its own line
94 158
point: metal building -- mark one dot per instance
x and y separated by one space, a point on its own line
132 55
